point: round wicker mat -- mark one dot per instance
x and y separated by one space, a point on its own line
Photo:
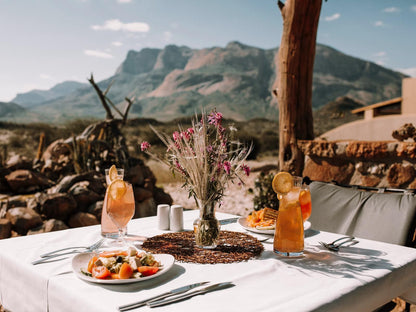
232 247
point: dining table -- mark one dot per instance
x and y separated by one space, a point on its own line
356 278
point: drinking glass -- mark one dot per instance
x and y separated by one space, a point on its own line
121 209
305 201
289 236
108 228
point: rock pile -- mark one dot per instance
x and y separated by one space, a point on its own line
50 197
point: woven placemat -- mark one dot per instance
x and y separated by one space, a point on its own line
232 247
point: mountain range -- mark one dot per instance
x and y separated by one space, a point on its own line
177 81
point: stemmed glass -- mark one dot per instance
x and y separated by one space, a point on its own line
120 205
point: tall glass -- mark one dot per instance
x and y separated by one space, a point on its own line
305 201
120 208
289 236
108 228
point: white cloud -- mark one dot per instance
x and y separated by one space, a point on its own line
378 23
117 43
45 76
167 36
117 25
391 10
409 71
333 17
124 1
97 53
413 8
380 54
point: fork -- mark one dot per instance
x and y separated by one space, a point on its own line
336 244
58 252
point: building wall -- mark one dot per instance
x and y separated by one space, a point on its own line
376 129
409 96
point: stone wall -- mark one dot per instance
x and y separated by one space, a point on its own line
388 164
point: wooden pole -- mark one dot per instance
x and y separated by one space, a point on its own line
294 79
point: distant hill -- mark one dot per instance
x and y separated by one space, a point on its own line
13 112
334 114
177 81
35 97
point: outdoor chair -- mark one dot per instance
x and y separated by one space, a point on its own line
386 217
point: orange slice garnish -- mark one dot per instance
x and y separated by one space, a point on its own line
117 189
112 173
282 183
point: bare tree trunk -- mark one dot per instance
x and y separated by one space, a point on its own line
294 79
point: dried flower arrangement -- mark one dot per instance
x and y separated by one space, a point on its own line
206 158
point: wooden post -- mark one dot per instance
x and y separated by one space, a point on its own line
293 86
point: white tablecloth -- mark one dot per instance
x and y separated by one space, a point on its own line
358 278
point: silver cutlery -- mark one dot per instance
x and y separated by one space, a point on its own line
93 247
204 290
173 292
59 252
336 244
228 221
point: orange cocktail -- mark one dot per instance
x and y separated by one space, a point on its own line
289 236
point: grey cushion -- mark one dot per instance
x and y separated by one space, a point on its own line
384 217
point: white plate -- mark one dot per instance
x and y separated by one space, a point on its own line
243 222
81 260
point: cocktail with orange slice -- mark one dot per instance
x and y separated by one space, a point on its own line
289 236
108 228
120 204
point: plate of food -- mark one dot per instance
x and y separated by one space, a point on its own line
120 267
258 222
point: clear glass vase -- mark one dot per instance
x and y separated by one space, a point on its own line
206 227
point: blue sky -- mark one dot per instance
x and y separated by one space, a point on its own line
45 42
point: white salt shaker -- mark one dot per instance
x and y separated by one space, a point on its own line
176 218
163 211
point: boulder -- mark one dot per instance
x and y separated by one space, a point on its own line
83 195
145 208
23 219
56 206
141 194
399 175
96 209
82 219
4 186
328 170
49 226
5 228
17 162
26 181
161 197
135 175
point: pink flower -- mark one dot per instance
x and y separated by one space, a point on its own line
145 146
215 118
176 136
227 167
185 135
191 130
246 169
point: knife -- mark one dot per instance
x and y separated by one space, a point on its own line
173 292
204 290
228 221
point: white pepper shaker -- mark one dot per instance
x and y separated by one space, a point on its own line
163 217
176 218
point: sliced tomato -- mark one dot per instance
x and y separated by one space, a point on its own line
115 276
147 270
91 263
126 271
100 272
113 253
